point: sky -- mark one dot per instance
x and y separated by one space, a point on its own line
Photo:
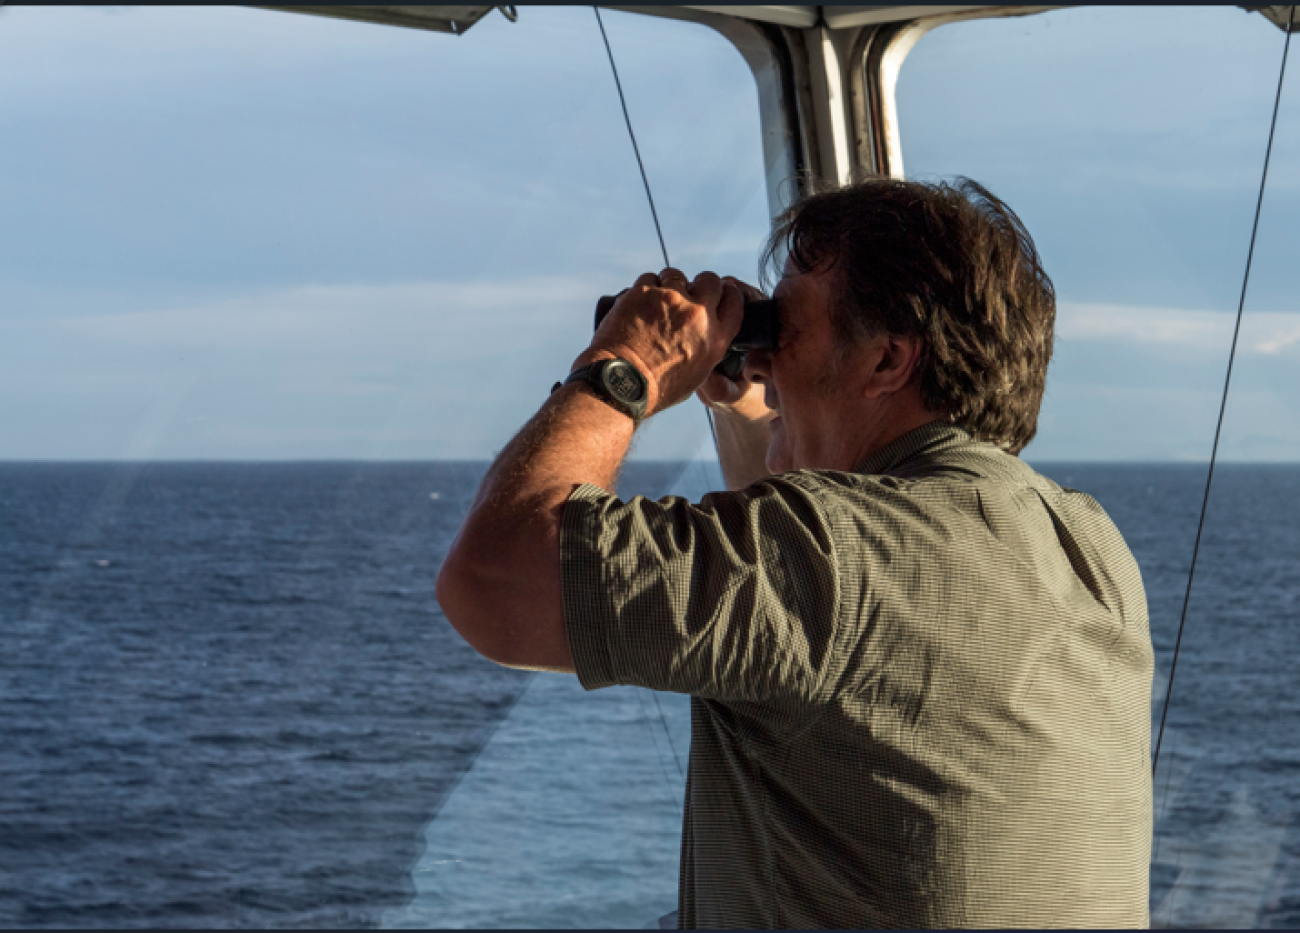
242 234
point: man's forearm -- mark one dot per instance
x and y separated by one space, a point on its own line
500 583
575 438
742 449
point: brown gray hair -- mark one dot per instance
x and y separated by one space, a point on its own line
949 264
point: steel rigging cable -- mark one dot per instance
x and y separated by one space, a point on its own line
1200 525
653 213
628 120
649 197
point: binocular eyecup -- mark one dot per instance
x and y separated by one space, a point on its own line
760 330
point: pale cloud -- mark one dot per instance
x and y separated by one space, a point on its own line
1283 336
509 310
1262 332
402 371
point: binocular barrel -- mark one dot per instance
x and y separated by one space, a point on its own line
760 330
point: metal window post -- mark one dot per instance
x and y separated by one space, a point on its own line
824 110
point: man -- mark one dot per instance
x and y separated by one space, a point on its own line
920 671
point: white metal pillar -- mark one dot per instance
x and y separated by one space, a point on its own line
825 112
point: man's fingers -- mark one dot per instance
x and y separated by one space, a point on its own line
707 289
723 299
675 279
731 309
717 389
749 291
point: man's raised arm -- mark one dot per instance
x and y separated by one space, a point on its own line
500 585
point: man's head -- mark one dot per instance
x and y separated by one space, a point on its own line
903 303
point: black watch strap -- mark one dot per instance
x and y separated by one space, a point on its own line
617 383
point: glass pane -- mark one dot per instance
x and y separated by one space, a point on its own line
1131 143
276 287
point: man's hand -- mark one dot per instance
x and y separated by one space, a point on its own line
742 416
673 330
741 399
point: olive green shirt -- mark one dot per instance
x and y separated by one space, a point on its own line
921 690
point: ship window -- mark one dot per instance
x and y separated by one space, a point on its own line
1131 142
275 289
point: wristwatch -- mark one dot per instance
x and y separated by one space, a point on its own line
618 383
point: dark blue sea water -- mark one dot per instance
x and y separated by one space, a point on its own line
228 698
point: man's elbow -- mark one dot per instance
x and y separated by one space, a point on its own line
459 594
512 621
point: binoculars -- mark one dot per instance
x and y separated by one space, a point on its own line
760 330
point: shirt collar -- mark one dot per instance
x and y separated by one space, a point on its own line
927 439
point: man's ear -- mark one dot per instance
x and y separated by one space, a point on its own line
897 359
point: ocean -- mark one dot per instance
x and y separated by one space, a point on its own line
228 698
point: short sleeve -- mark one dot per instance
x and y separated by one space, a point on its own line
735 599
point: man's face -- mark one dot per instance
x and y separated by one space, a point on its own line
802 377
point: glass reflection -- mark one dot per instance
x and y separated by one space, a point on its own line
265 322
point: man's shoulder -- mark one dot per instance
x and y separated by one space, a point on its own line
963 486
954 470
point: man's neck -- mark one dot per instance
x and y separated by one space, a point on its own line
899 414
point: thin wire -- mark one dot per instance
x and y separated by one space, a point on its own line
1250 255
655 696
708 413
627 119
658 755
664 249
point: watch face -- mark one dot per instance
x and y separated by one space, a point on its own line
625 382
